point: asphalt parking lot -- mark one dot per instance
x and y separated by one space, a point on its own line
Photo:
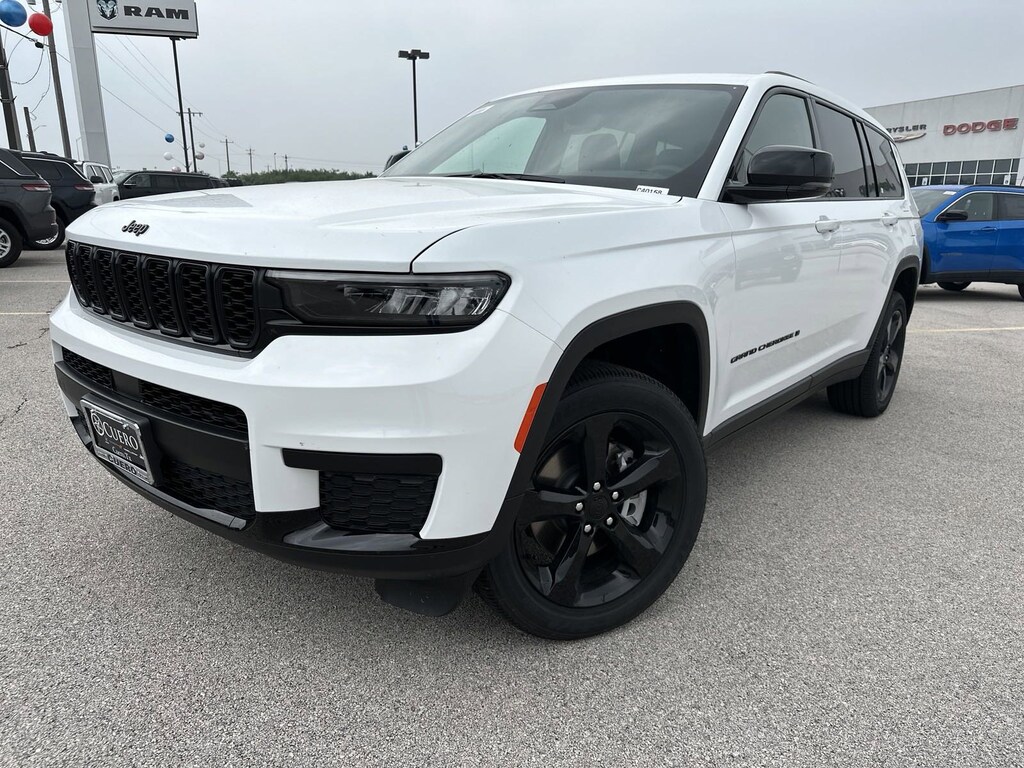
856 597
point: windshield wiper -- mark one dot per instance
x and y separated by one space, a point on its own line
506 176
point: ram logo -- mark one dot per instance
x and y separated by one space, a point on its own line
108 8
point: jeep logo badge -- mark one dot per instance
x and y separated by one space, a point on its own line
108 8
135 228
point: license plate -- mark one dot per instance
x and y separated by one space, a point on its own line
118 440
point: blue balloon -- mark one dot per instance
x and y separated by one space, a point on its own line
169 138
12 13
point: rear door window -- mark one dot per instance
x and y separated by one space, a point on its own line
164 183
1011 207
838 134
887 180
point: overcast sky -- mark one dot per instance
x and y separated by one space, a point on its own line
321 80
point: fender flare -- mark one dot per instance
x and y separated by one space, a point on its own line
586 341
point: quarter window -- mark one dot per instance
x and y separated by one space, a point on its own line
978 206
838 135
1011 207
45 169
887 178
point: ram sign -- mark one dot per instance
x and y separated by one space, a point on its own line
163 18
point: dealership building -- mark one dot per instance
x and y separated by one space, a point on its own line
969 138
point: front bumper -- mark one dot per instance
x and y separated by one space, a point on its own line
459 397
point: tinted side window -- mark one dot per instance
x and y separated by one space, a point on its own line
838 135
1011 207
783 120
193 182
887 178
162 183
47 170
138 180
979 206
12 167
105 173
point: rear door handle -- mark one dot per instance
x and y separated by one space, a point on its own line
889 220
987 229
824 226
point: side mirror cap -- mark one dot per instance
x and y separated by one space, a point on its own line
396 157
952 216
780 172
96 179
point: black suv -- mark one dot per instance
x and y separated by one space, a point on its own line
25 210
72 193
144 183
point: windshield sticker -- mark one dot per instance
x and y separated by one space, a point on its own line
652 190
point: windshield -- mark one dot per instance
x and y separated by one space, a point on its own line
929 199
623 137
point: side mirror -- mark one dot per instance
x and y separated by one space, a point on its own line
127 183
96 179
952 216
396 157
784 173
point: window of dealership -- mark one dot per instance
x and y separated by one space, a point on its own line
969 138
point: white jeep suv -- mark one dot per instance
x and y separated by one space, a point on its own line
500 363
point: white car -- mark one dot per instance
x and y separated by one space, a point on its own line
102 179
501 363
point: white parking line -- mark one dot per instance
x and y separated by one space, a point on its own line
965 330
33 281
8 314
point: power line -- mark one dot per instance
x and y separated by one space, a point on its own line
42 53
132 75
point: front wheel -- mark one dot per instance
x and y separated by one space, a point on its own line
1020 290
953 286
616 503
50 243
869 394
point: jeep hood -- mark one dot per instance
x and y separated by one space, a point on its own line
378 225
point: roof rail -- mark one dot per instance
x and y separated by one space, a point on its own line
787 74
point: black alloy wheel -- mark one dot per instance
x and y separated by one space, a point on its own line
616 501
892 355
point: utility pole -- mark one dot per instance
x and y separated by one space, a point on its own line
250 160
7 97
181 108
275 161
227 153
286 163
31 136
192 138
57 90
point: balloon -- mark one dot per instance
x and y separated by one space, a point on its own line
169 138
12 13
40 24
201 145
168 156
176 169
200 155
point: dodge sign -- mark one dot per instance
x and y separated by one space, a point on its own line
163 18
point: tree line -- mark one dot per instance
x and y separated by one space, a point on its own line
295 174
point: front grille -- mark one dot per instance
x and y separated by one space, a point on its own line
376 503
209 304
191 407
208 490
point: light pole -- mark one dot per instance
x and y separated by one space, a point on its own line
412 56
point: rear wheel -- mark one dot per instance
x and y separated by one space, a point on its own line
1020 290
953 286
616 502
10 243
869 394
50 243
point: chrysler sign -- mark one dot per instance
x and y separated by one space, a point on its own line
163 18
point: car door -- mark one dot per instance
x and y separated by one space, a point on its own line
1008 262
787 259
965 249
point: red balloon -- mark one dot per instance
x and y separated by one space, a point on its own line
40 24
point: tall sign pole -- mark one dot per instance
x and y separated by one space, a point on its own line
86 76
58 91
181 107
7 96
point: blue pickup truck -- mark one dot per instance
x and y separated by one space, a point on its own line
972 234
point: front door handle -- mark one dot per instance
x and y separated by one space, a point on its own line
890 220
987 229
824 226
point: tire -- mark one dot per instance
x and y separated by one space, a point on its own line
11 244
953 286
870 393
51 244
581 561
1020 290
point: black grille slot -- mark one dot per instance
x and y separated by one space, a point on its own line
127 267
211 304
160 294
192 407
197 302
376 503
87 369
106 286
201 488
238 305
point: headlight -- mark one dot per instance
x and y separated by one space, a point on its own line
396 301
